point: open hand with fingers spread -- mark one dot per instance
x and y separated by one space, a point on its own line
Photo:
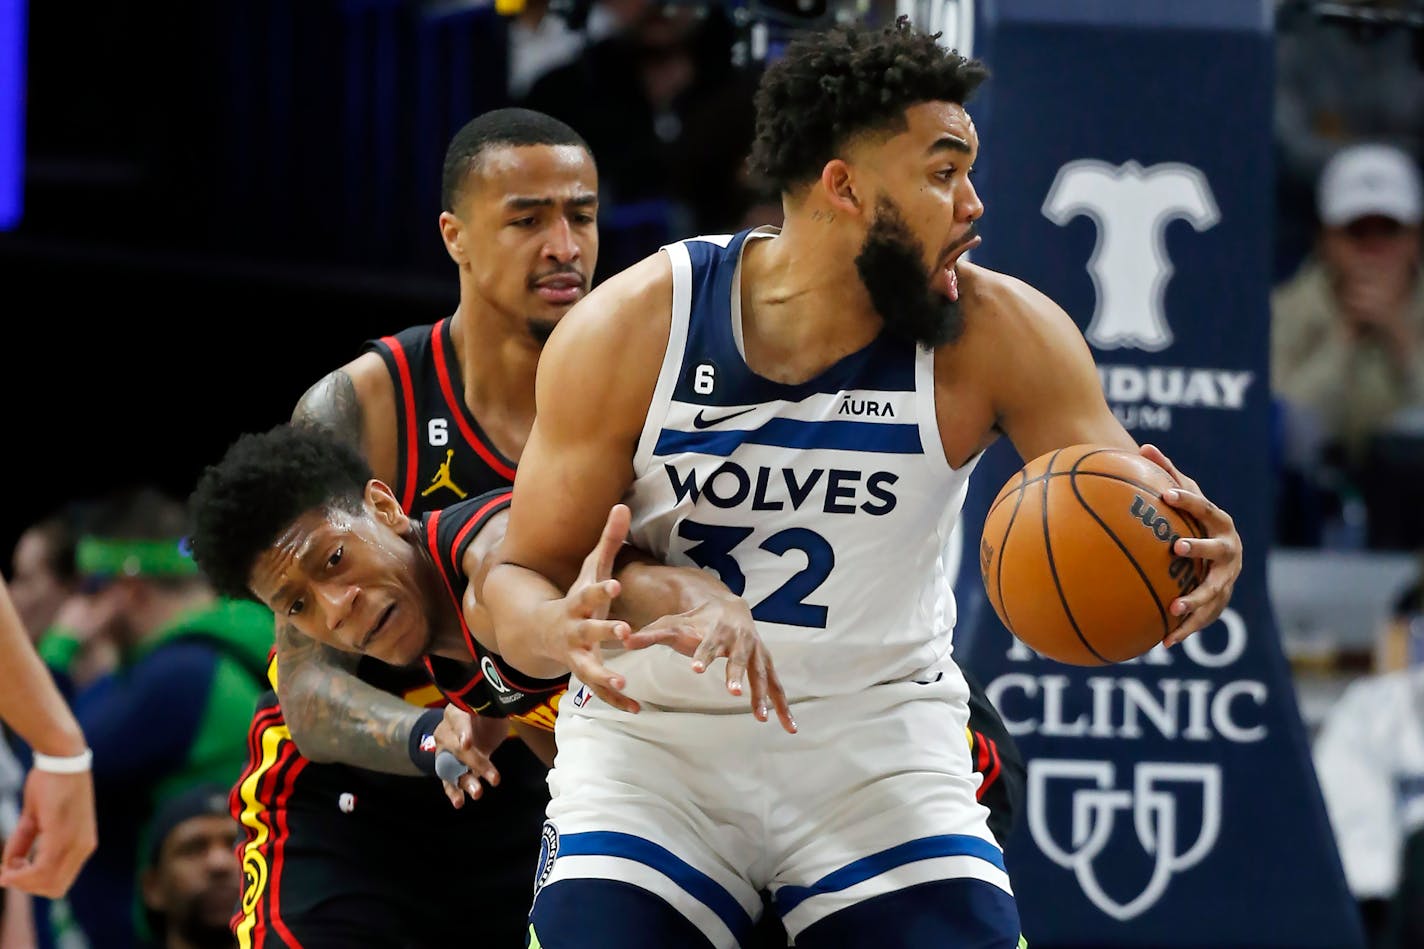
575 627
1221 550
721 627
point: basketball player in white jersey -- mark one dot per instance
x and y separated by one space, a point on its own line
798 410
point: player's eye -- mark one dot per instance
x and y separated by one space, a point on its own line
523 222
296 607
335 557
946 173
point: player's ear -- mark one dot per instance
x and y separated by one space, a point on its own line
452 232
382 501
839 184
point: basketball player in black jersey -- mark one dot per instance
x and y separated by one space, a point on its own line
294 519
332 794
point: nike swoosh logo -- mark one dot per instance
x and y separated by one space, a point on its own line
701 422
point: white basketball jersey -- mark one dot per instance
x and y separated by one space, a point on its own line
826 505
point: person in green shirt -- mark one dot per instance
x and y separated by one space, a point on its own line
175 711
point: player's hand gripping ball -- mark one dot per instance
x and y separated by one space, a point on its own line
1077 555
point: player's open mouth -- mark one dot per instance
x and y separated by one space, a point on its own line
380 625
560 288
948 278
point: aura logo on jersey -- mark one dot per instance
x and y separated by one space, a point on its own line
1130 268
1151 803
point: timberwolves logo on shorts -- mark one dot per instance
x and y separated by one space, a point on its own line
548 853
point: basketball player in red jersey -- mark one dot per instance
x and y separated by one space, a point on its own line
441 412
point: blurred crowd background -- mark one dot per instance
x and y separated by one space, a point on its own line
222 200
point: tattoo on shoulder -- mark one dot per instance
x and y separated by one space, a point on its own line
334 715
332 403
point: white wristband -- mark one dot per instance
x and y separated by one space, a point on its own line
74 764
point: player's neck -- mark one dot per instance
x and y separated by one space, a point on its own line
803 306
447 637
497 364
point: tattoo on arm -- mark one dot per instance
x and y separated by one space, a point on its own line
333 715
331 402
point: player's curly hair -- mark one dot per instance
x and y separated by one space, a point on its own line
262 484
834 85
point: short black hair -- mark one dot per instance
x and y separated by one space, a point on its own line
262 484
833 85
492 129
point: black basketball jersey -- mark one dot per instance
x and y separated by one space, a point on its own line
486 684
442 454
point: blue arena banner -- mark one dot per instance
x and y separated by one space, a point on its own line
1126 171
12 111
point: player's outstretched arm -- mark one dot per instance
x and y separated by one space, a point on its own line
595 383
333 715
1041 411
56 831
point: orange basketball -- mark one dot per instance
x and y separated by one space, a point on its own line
1077 556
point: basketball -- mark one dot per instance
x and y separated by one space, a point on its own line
1077 559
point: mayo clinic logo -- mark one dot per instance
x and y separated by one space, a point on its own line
1125 828
1132 206
1151 803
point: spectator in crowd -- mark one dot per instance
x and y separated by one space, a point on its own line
1345 72
42 574
542 39
1369 757
44 587
176 710
1347 330
669 116
190 879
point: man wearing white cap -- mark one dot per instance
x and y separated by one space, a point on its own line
1347 330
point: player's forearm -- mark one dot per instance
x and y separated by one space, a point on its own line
652 590
334 716
517 598
30 702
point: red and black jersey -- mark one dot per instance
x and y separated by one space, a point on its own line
319 839
442 454
485 685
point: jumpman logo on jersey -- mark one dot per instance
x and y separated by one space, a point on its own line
442 479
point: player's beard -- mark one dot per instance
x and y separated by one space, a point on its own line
540 329
891 265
